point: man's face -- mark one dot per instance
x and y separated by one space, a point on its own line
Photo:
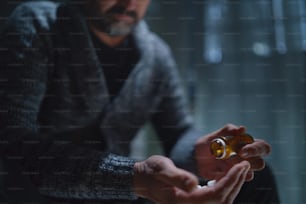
115 17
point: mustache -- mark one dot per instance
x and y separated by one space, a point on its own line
122 10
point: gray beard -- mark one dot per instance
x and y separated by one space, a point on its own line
113 29
104 23
120 29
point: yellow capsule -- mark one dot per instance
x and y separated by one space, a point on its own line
227 146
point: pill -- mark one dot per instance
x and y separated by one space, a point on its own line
211 183
199 186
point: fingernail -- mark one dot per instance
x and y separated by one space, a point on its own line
248 166
189 185
244 154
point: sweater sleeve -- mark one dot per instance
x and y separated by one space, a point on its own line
58 169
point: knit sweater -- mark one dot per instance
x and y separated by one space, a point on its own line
57 120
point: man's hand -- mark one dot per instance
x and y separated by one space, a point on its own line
159 180
212 168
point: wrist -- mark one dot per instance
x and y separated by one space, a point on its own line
139 179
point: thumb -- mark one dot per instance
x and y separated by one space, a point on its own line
228 129
177 177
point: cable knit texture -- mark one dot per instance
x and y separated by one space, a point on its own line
57 120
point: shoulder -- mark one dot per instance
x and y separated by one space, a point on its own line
163 57
38 14
161 48
153 45
159 45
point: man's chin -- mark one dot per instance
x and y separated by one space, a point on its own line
121 29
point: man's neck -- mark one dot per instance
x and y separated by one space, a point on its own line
111 41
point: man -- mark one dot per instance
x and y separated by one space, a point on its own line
77 83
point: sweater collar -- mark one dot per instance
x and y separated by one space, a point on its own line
83 51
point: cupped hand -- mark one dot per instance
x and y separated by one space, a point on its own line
211 168
159 180
224 190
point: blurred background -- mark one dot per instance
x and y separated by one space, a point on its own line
242 62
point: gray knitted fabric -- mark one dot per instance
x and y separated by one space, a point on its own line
57 119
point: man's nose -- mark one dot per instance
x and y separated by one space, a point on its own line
129 4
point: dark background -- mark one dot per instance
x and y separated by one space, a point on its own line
242 62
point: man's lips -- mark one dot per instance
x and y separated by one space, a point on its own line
121 14
123 17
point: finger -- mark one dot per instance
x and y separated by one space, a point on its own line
259 148
232 178
223 191
225 165
250 176
228 129
257 163
178 177
232 129
236 189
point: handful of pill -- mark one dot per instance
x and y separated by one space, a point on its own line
209 184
